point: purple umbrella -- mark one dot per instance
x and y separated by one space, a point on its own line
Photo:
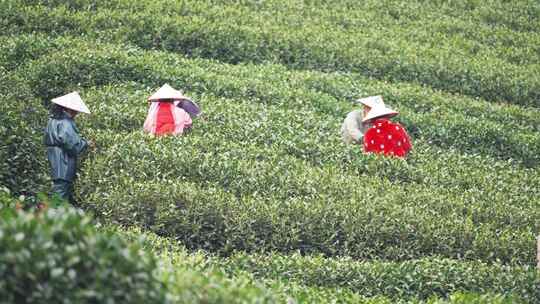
190 107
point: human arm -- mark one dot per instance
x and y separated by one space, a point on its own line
70 139
182 120
353 126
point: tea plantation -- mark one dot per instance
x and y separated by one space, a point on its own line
261 202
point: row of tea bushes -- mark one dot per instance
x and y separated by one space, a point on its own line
175 276
233 122
343 278
22 118
408 279
517 17
243 197
56 256
488 131
17 51
257 38
313 138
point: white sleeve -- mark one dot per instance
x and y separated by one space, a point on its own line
150 122
352 126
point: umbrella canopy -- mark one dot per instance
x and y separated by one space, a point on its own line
190 107
72 101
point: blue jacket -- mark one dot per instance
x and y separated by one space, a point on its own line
63 146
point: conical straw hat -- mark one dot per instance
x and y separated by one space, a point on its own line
72 101
379 111
167 92
371 101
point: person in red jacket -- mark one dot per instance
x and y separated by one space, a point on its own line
384 136
164 116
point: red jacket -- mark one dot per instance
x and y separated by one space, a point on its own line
388 138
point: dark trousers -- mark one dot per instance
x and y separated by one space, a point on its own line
63 189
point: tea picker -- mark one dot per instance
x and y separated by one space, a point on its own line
354 127
170 112
384 136
64 144
371 127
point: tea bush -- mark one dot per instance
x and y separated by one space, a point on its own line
57 257
22 157
304 141
323 39
264 170
294 139
414 278
317 279
511 139
194 278
18 50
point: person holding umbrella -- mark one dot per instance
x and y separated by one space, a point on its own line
170 112
64 144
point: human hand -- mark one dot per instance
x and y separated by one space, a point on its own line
91 144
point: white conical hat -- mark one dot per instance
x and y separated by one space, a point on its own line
167 92
72 101
371 101
379 110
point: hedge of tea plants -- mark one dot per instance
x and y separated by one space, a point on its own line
264 173
469 50
308 278
304 145
413 278
479 128
133 276
55 256
22 158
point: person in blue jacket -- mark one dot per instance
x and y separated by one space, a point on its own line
64 144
